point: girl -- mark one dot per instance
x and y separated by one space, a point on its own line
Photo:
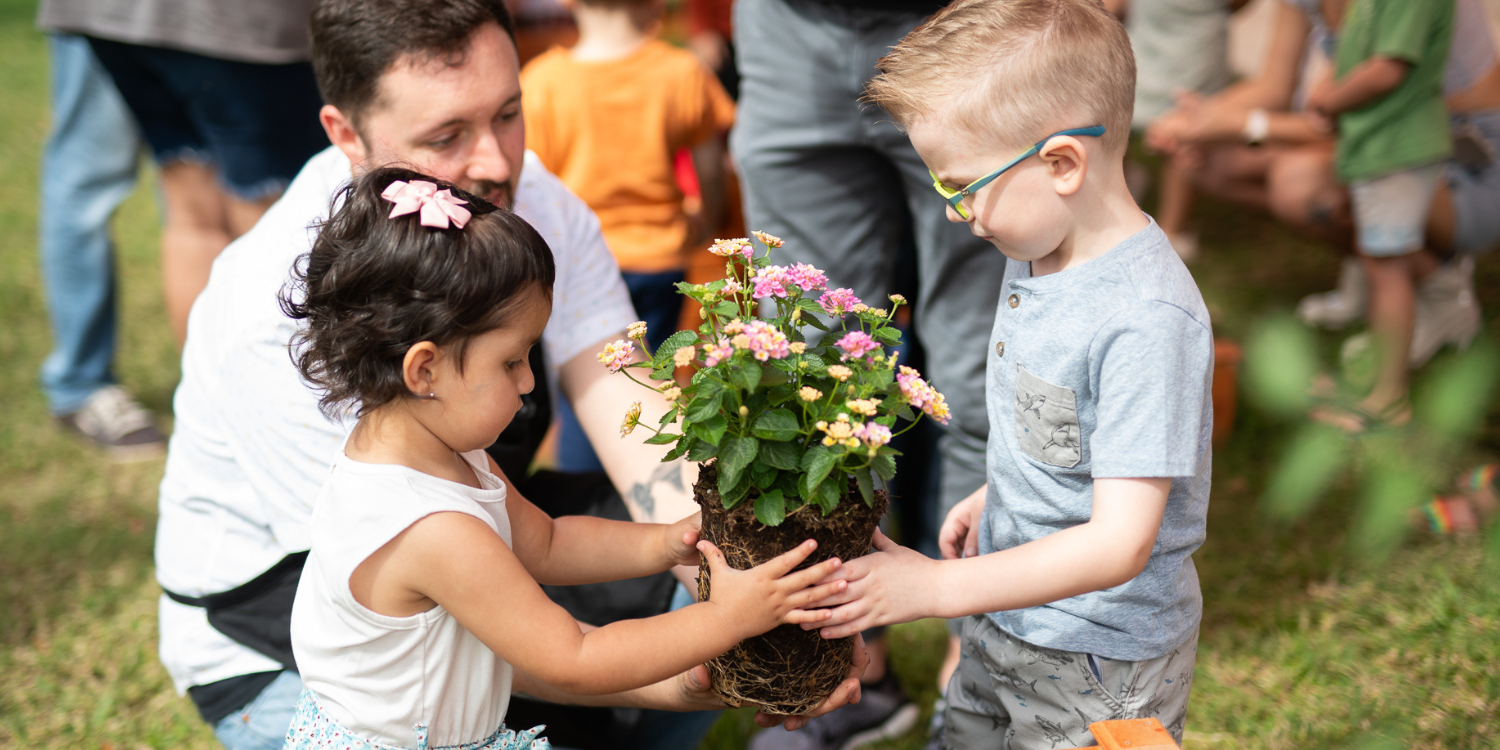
420 303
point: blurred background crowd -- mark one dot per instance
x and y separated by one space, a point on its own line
679 122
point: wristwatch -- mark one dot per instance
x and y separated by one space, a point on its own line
1257 126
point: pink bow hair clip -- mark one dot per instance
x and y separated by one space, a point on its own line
437 207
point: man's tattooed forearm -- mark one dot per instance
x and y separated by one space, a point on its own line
642 494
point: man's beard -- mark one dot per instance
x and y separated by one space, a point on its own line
498 193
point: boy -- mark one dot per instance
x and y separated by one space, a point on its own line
1079 594
608 116
1393 137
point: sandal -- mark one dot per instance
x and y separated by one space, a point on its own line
1355 419
1451 515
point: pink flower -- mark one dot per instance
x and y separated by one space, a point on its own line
807 278
922 395
617 355
766 342
771 240
874 435
770 281
715 353
856 344
838 301
726 248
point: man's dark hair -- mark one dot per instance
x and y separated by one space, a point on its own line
354 42
374 286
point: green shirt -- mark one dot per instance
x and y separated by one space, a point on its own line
1409 126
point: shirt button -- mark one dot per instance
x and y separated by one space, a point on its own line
1014 301
1000 348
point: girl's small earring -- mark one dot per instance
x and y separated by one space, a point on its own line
431 396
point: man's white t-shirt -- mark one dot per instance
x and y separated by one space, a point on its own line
250 450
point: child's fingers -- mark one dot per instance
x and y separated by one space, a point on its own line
783 563
810 576
715 558
845 629
883 542
814 596
802 616
690 538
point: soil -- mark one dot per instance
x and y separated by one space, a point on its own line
788 670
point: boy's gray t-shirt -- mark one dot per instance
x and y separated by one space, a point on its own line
1102 371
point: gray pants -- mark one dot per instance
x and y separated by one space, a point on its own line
839 182
1008 694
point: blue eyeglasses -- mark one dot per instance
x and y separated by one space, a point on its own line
955 197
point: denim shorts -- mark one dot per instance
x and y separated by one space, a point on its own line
1474 182
257 124
1390 211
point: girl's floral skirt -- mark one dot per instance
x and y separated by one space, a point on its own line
312 729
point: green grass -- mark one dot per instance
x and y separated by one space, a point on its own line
1303 644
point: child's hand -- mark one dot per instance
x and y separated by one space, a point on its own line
959 536
682 540
886 587
769 594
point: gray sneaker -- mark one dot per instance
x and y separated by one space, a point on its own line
1447 311
1342 306
883 712
116 422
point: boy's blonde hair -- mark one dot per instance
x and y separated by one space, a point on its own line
1019 69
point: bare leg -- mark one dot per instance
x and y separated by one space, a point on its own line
950 662
1177 177
1392 316
201 219
1303 192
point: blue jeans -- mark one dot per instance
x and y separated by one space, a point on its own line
656 300
88 168
262 723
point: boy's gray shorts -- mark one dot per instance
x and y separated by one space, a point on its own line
1010 695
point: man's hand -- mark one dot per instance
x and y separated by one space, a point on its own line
959 536
885 587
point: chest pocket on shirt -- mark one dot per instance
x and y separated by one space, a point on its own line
1047 421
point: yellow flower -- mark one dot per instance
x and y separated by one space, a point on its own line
865 406
771 240
734 326
632 418
877 312
798 347
672 393
840 373
808 393
744 411
684 356
637 330
740 341
838 432
898 299
859 308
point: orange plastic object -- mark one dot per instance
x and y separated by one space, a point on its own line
1135 734
1227 356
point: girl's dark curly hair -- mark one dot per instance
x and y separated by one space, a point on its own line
373 286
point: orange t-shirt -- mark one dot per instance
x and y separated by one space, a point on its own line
609 130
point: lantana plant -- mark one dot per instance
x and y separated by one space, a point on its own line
788 420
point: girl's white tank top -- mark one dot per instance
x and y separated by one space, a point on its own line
382 676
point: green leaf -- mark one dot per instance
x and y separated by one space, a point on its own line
1279 365
884 464
770 508
746 376
736 452
815 363
781 455
814 321
670 415
866 484
881 379
663 373
669 348
777 424
726 310
816 463
731 495
888 335
700 451
662 438
704 406
829 493
677 452
762 475
1312 461
710 430
1456 397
